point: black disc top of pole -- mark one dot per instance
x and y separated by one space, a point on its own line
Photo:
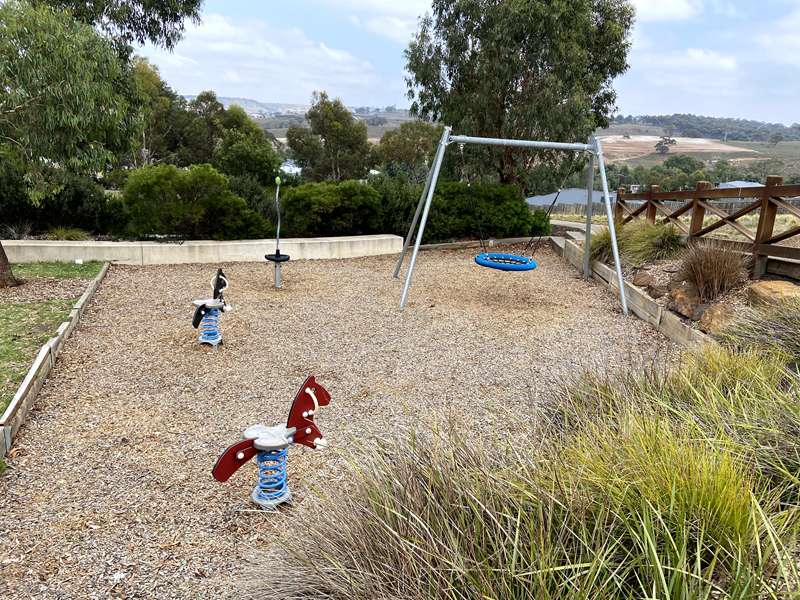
277 257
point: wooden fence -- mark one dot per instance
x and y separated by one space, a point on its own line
702 202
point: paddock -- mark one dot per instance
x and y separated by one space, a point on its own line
108 491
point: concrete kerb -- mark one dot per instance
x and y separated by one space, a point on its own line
17 411
639 302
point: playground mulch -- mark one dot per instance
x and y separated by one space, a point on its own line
108 491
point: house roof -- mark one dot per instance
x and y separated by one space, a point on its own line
568 196
738 184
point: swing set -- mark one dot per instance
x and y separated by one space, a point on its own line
504 261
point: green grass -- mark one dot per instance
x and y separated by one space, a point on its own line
639 243
87 270
24 327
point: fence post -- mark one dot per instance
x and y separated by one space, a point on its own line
766 225
652 212
619 214
698 210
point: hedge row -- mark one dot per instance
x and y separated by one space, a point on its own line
200 203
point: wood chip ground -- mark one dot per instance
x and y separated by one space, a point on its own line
108 492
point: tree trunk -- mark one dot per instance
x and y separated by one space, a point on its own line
7 278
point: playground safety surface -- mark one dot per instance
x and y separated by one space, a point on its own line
108 491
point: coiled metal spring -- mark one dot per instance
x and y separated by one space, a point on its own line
271 475
209 328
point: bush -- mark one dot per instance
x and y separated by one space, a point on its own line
70 234
15 206
713 269
79 203
324 209
673 486
766 327
193 203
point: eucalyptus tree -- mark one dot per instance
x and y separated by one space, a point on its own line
68 103
534 69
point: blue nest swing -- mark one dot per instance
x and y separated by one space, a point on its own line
505 262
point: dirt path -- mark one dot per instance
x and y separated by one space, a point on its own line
109 491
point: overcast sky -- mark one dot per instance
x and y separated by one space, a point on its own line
736 58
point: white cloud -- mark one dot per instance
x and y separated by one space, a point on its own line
695 71
395 20
255 59
667 10
779 40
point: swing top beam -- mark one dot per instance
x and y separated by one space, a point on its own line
594 148
466 139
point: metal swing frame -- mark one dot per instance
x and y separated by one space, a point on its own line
593 148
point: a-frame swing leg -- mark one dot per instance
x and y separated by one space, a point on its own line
587 238
414 222
598 150
437 165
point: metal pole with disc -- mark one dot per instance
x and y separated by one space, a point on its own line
277 259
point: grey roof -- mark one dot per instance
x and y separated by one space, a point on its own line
568 196
738 184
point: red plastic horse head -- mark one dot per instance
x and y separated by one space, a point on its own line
307 401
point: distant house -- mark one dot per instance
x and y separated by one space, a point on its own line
568 196
727 185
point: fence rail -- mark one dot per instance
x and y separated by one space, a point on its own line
701 203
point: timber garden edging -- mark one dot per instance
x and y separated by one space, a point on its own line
639 303
22 402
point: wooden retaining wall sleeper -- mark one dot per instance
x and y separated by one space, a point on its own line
23 400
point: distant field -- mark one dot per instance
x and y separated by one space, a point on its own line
619 148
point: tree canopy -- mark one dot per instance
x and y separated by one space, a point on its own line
534 69
160 22
66 99
336 145
409 149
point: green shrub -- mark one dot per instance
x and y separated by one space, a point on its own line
713 269
15 207
399 199
193 203
325 209
70 234
541 225
460 211
766 327
79 203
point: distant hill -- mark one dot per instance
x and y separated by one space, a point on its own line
718 128
256 106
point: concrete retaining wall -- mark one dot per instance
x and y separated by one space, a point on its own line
22 402
154 253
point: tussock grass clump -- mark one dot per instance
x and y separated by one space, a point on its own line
70 234
713 269
658 485
18 231
639 243
648 242
767 326
600 247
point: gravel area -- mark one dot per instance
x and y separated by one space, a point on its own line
37 289
109 492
